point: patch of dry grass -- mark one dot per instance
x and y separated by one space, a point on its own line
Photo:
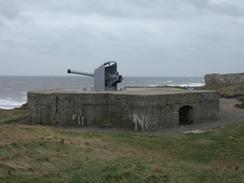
48 154
40 154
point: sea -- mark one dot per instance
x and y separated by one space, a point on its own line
13 89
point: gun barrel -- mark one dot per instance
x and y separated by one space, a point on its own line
69 71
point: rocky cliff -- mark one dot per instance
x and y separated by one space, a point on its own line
219 80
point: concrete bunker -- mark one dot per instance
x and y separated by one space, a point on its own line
150 108
186 115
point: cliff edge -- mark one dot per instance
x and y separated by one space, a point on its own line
221 80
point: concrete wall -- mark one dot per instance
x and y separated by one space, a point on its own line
136 112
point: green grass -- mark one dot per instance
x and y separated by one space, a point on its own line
46 154
228 91
13 115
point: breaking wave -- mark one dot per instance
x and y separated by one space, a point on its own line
10 103
188 84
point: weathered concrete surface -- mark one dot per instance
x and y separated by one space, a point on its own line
136 108
218 80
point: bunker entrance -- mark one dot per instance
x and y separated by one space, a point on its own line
186 115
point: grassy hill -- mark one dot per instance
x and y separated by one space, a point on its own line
47 154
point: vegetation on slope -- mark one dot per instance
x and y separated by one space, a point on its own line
228 91
47 154
13 115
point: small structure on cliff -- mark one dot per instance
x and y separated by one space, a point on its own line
220 80
139 109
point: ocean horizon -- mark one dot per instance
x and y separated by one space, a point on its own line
13 89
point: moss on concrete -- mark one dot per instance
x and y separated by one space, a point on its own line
241 100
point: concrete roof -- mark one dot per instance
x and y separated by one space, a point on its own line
129 91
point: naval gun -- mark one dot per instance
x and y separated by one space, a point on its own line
106 77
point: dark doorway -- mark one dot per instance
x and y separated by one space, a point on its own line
186 115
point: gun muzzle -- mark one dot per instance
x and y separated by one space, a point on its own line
69 71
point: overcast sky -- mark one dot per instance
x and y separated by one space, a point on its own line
146 37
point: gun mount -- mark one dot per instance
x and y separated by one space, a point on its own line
106 77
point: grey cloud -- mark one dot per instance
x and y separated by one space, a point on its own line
141 8
8 9
225 7
163 37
